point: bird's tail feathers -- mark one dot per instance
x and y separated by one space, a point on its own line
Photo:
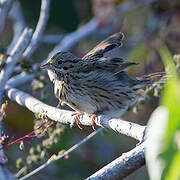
154 78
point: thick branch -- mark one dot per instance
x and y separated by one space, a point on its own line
133 130
124 127
44 16
122 166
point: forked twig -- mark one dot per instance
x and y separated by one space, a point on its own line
57 157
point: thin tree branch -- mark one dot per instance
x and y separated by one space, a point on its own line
4 172
44 16
60 156
13 58
92 26
52 38
19 79
76 36
19 24
5 6
2 156
121 167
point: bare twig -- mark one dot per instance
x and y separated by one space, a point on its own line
67 43
19 24
4 9
44 15
2 156
76 36
122 166
61 155
19 79
52 38
14 57
4 172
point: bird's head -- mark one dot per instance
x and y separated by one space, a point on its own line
61 63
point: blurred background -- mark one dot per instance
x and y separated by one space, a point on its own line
146 27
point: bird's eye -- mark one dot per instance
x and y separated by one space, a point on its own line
59 62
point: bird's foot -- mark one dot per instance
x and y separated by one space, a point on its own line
93 117
77 117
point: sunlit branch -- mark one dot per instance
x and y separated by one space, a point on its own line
63 116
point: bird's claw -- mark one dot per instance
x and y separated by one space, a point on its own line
77 117
59 104
93 117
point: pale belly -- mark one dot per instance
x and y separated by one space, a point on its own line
84 103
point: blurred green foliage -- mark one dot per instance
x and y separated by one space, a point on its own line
163 134
170 152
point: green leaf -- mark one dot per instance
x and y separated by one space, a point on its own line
166 145
171 100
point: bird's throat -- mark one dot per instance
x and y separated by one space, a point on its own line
52 75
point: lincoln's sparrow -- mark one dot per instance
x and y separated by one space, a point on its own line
95 84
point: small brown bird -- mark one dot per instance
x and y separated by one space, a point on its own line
95 84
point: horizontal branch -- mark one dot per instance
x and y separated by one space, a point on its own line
71 39
19 79
52 38
63 116
121 167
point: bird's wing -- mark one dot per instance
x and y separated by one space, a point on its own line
114 65
108 44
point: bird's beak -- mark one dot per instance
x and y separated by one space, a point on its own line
45 66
